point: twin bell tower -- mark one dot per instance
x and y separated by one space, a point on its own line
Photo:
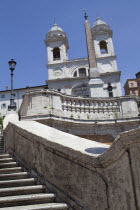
94 76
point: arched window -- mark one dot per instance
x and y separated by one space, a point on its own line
75 74
103 47
56 53
82 72
109 88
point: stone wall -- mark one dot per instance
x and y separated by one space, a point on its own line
85 174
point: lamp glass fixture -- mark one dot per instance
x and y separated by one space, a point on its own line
12 64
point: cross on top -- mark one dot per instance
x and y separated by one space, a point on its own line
85 14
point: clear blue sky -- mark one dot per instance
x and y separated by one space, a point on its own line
24 23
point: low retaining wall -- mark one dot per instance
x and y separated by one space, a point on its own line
102 131
81 172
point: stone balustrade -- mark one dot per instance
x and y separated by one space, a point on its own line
90 106
49 102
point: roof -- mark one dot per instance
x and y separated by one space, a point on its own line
27 87
138 75
55 28
99 22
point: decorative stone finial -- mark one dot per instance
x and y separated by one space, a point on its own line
98 18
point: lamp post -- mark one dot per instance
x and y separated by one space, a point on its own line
12 65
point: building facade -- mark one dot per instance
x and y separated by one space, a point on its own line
18 97
74 77
138 82
131 87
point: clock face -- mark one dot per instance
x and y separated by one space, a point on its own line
106 66
58 73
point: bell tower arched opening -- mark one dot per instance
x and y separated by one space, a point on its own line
56 53
103 47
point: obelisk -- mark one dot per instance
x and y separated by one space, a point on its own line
95 82
94 73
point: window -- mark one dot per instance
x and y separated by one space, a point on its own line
132 84
103 47
138 83
75 74
109 88
56 53
3 106
82 72
133 92
3 96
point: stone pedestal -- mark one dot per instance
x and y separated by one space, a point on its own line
96 87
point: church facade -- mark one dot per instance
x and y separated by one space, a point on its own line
94 76
84 95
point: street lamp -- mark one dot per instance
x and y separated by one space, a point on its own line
12 65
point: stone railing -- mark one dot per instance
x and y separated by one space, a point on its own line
93 107
49 102
84 174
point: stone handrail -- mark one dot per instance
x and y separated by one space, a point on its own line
50 102
85 174
90 105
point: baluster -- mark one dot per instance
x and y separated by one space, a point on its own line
82 106
73 106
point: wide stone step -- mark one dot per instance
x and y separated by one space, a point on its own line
17 191
24 190
8 165
10 170
6 160
16 183
26 199
4 156
47 206
12 176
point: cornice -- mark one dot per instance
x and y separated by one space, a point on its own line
79 60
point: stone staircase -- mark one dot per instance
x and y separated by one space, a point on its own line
19 191
1 144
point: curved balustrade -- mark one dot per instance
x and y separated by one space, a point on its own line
46 102
90 105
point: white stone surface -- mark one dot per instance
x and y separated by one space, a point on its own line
10 117
56 136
